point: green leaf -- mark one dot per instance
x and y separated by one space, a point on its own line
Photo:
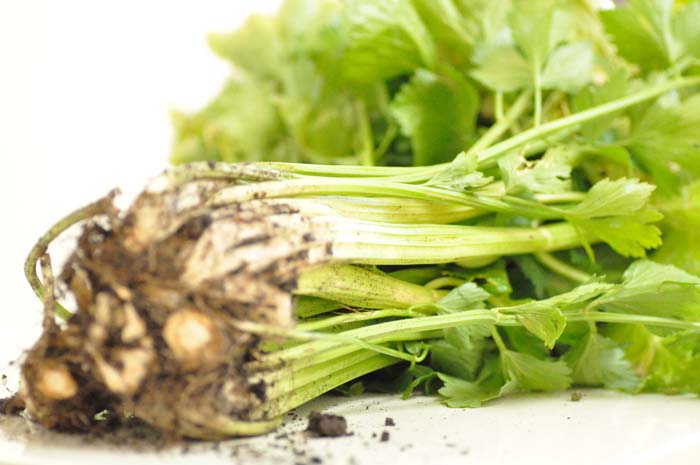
241 124
385 38
255 46
460 353
685 30
569 67
438 113
492 278
640 31
666 142
503 69
598 361
613 198
543 320
653 34
529 373
459 393
676 365
615 211
321 115
454 33
681 230
650 288
549 175
468 296
521 340
534 273
531 24
629 235
462 174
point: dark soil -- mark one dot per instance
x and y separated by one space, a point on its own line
11 405
389 422
384 437
327 425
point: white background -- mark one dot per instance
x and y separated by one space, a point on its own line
85 93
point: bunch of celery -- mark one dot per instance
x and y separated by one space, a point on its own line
562 146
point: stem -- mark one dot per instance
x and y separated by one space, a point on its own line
367 153
101 206
301 355
360 287
504 123
295 397
498 340
498 106
373 187
538 93
605 317
342 338
418 244
338 320
351 171
562 268
490 156
386 141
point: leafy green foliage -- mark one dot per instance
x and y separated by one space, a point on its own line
542 320
462 175
460 352
651 34
465 297
615 212
650 288
438 113
459 393
667 364
666 141
525 372
681 230
538 55
549 175
385 38
597 361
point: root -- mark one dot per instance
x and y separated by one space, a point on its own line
156 287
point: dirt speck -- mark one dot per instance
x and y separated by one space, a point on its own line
327 425
388 421
385 436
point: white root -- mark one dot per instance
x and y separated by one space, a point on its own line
194 339
54 381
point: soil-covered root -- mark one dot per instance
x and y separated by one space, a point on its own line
159 289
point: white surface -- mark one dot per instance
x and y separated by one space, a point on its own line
85 89
603 428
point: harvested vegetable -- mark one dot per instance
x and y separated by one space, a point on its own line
562 148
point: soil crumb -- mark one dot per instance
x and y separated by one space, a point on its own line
327 425
389 422
576 396
385 436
